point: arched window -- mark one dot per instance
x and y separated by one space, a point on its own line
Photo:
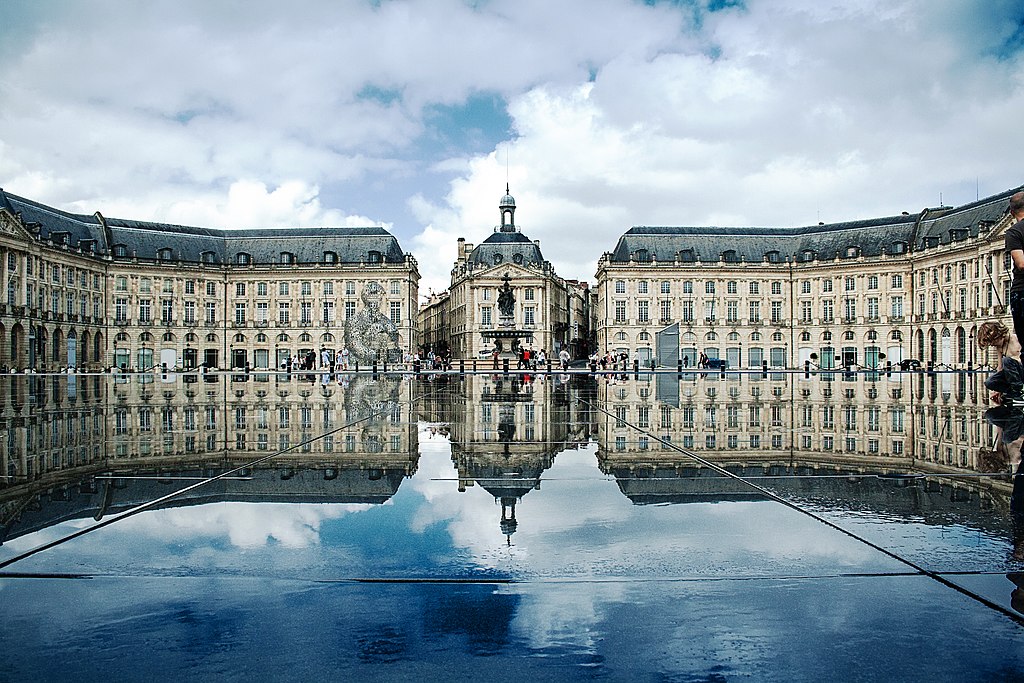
304 337
805 336
261 338
211 338
121 337
710 336
734 336
191 337
777 336
497 259
620 336
282 337
848 335
145 337
239 338
168 336
644 336
826 336
773 257
896 336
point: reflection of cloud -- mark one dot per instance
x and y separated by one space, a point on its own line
244 525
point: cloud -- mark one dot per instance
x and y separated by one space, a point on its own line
605 113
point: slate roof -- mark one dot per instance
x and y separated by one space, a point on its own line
871 237
144 239
507 245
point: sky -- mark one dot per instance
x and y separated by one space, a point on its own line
599 114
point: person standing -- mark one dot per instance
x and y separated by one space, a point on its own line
1015 246
563 357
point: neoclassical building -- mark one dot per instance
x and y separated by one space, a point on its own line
856 294
547 311
88 291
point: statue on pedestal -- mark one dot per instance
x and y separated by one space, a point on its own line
506 300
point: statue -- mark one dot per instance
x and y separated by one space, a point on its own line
370 334
506 300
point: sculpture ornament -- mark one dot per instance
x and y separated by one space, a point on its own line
506 300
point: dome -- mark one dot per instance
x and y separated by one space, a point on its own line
507 200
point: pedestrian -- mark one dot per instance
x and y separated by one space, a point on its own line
563 356
1015 247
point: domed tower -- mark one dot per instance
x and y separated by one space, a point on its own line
507 206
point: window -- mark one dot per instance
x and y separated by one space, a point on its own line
528 319
709 287
528 294
485 316
240 313
641 287
282 289
826 285
620 311
239 289
242 258
666 287
731 287
190 286
211 289
805 286
396 312
643 314
306 289
330 257
666 309
329 288
283 312
688 287
145 312
755 287
620 286
897 282
849 284
776 288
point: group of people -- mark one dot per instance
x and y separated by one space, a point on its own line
338 361
611 361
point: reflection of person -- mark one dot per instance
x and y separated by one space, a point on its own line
1015 247
1007 383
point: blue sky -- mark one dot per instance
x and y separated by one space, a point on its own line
601 114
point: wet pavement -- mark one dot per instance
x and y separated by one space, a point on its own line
639 527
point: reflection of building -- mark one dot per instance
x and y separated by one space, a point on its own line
506 432
90 291
931 422
548 312
858 293
58 433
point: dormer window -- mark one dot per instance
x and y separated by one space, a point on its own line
643 256
730 256
687 256
807 255
773 257
497 259
375 257
120 251
208 257
898 248
286 258
165 254
958 234
330 257
242 259
931 241
59 238
852 252
88 246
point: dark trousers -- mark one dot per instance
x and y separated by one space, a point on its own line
1017 312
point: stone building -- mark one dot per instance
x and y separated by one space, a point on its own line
467 319
856 294
91 292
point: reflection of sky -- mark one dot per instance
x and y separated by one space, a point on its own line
577 524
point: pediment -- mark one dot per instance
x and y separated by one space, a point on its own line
12 226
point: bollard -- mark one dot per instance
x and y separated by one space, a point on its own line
721 370
679 366
504 366
385 366
593 366
549 366
416 366
807 369
375 369
764 369
462 367
888 368
931 368
636 369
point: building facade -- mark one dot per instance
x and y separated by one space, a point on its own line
857 294
92 292
546 311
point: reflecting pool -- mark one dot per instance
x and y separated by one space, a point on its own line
647 526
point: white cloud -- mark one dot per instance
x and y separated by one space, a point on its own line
774 113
